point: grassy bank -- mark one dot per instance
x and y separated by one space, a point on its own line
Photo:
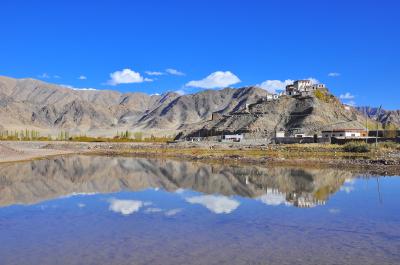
383 160
88 139
311 152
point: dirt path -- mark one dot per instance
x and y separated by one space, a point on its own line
12 152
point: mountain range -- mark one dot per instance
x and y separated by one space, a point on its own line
49 108
386 117
33 104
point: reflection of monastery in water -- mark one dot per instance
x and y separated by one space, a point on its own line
35 181
305 200
302 188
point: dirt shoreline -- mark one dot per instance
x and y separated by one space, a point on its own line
381 163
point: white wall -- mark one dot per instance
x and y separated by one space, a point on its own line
342 134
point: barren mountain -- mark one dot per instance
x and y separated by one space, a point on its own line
303 114
386 117
49 108
33 104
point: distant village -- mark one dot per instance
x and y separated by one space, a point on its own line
305 88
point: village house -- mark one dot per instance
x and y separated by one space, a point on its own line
233 137
345 133
280 134
272 97
300 135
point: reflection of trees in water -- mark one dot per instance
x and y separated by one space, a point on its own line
31 182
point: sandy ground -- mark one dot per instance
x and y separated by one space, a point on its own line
15 151
12 151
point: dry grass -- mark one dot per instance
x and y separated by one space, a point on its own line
295 151
357 147
88 139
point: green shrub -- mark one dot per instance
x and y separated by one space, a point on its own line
356 147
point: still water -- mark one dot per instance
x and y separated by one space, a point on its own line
118 210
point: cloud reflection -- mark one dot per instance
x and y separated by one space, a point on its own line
216 203
348 186
153 210
172 212
125 207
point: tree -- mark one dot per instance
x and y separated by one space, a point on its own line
390 131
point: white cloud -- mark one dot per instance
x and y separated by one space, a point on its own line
274 86
126 76
218 79
334 74
273 197
44 75
351 103
172 212
313 80
216 203
174 72
67 86
82 88
85 88
154 73
346 95
349 97
81 205
180 92
125 207
82 77
153 210
47 76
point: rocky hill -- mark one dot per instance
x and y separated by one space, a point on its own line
386 117
301 114
49 108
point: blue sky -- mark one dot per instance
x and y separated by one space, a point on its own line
236 43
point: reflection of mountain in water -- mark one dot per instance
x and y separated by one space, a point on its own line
32 182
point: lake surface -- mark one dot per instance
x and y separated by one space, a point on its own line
118 210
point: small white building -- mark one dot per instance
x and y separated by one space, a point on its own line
345 133
280 134
272 97
233 137
318 86
302 84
